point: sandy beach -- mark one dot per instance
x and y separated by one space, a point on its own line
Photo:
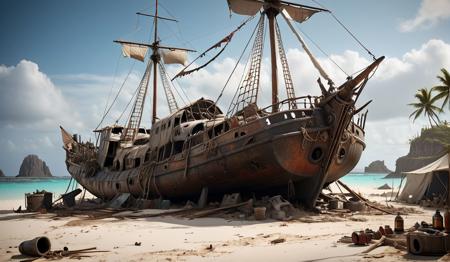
310 237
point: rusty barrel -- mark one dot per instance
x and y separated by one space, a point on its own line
37 201
361 238
260 213
36 247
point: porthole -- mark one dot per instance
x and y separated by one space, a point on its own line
316 154
285 116
268 121
117 186
292 114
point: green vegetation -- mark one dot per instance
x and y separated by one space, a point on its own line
426 102
439 134
443 89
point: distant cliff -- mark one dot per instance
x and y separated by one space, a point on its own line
377 166
33 166
425 149
1 173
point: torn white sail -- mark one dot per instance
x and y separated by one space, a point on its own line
251 7
299 14
245 7
175 57
135 51
314 61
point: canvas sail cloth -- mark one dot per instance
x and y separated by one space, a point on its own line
175 57
251 7
419 181
135 51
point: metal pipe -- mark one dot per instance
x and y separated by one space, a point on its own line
36 247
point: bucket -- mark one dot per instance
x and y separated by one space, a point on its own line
260 213
37 247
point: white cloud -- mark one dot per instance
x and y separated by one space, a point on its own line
430 13
30 99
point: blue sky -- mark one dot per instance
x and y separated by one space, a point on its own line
63 51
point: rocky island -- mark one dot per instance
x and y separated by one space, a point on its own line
33 166
425 149
377 166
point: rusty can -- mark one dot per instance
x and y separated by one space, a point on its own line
438 221
388 230
399 224
361 238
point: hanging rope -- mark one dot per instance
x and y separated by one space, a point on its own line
117 95
234 69
348 31
226 40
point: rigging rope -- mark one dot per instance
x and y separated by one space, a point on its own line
234 69
117 95
321 50
348 31
225 40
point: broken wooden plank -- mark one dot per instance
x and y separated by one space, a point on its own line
204 213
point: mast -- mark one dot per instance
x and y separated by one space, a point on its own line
271 13
155 58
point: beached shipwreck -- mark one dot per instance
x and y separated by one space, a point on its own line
292 147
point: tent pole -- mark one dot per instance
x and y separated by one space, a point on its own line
448 180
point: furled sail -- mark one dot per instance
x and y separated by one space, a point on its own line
175 57
298 12
245 7
135 51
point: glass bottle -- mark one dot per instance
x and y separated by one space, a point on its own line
398 224
438 221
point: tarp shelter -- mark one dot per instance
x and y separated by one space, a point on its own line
427 182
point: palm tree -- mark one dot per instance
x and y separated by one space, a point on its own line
443 89
426 106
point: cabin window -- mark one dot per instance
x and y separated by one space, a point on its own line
197 129
184 117
167 150
178 147
137 162
117 165
147 155
293 115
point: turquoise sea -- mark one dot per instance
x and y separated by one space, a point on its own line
16 188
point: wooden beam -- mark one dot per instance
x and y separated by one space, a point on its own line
158 17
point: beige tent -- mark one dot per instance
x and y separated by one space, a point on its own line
430 180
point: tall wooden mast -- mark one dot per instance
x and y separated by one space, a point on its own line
271 13
155 58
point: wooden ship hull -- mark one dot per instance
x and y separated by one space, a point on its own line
293 148
264 161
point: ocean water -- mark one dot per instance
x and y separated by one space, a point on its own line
355 180
15 189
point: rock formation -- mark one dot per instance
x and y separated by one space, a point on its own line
33 166
425 149
1 173
377 166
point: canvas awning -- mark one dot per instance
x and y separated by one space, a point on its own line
438 165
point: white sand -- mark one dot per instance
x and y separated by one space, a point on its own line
179 239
